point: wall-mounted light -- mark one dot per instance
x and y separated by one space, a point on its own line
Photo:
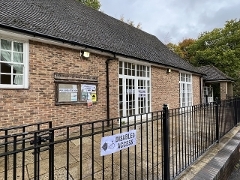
85 54
169 70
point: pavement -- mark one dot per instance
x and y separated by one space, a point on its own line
213 162
85 160
236 172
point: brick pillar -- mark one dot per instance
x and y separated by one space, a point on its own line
223 90
230 89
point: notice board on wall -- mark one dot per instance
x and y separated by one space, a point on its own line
72 88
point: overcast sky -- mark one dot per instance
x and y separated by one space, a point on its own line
174 20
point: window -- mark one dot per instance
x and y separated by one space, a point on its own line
185 90
134 89
13 64
72 89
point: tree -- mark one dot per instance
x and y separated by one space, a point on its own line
221 48
182 49
176 49
95 4
130 23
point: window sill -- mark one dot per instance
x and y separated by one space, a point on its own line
13 87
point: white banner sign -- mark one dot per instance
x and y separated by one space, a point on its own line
141 92
117 142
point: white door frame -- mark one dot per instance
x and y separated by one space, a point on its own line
136 88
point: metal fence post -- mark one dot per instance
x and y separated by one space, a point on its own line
51 153
166 156
217 119
235 111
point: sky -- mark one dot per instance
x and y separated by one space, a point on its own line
174 20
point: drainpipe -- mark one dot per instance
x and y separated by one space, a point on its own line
201 90
107 89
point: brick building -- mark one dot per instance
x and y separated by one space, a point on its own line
215 84
67 63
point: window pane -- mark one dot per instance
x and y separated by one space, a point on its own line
18 47
5 79
5 68
5 56
18 79
129 72
188 88
190 78
120 81
133 70
5 44
120 98
183 77
120 63
120 67
125 72
18 57
121 113
18 69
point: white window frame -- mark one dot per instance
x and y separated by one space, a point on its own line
25 43
136 78
185 83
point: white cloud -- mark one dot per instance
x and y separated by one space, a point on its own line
174 20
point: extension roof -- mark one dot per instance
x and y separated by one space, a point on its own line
214 74
71 22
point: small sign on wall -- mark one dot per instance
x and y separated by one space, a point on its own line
141 92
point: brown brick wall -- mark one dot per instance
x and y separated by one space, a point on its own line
196 89
165 88
113 83
223 90
37 104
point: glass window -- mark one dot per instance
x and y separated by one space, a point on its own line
13 64
134 89
68 93
185 90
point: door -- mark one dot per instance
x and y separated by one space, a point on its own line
208 94
134 89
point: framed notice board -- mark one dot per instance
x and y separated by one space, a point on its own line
73 91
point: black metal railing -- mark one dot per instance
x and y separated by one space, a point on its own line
167 142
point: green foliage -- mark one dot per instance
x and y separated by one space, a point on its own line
182 49
221 48
95 4
175 48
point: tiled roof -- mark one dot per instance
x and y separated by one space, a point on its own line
72 22
214 74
